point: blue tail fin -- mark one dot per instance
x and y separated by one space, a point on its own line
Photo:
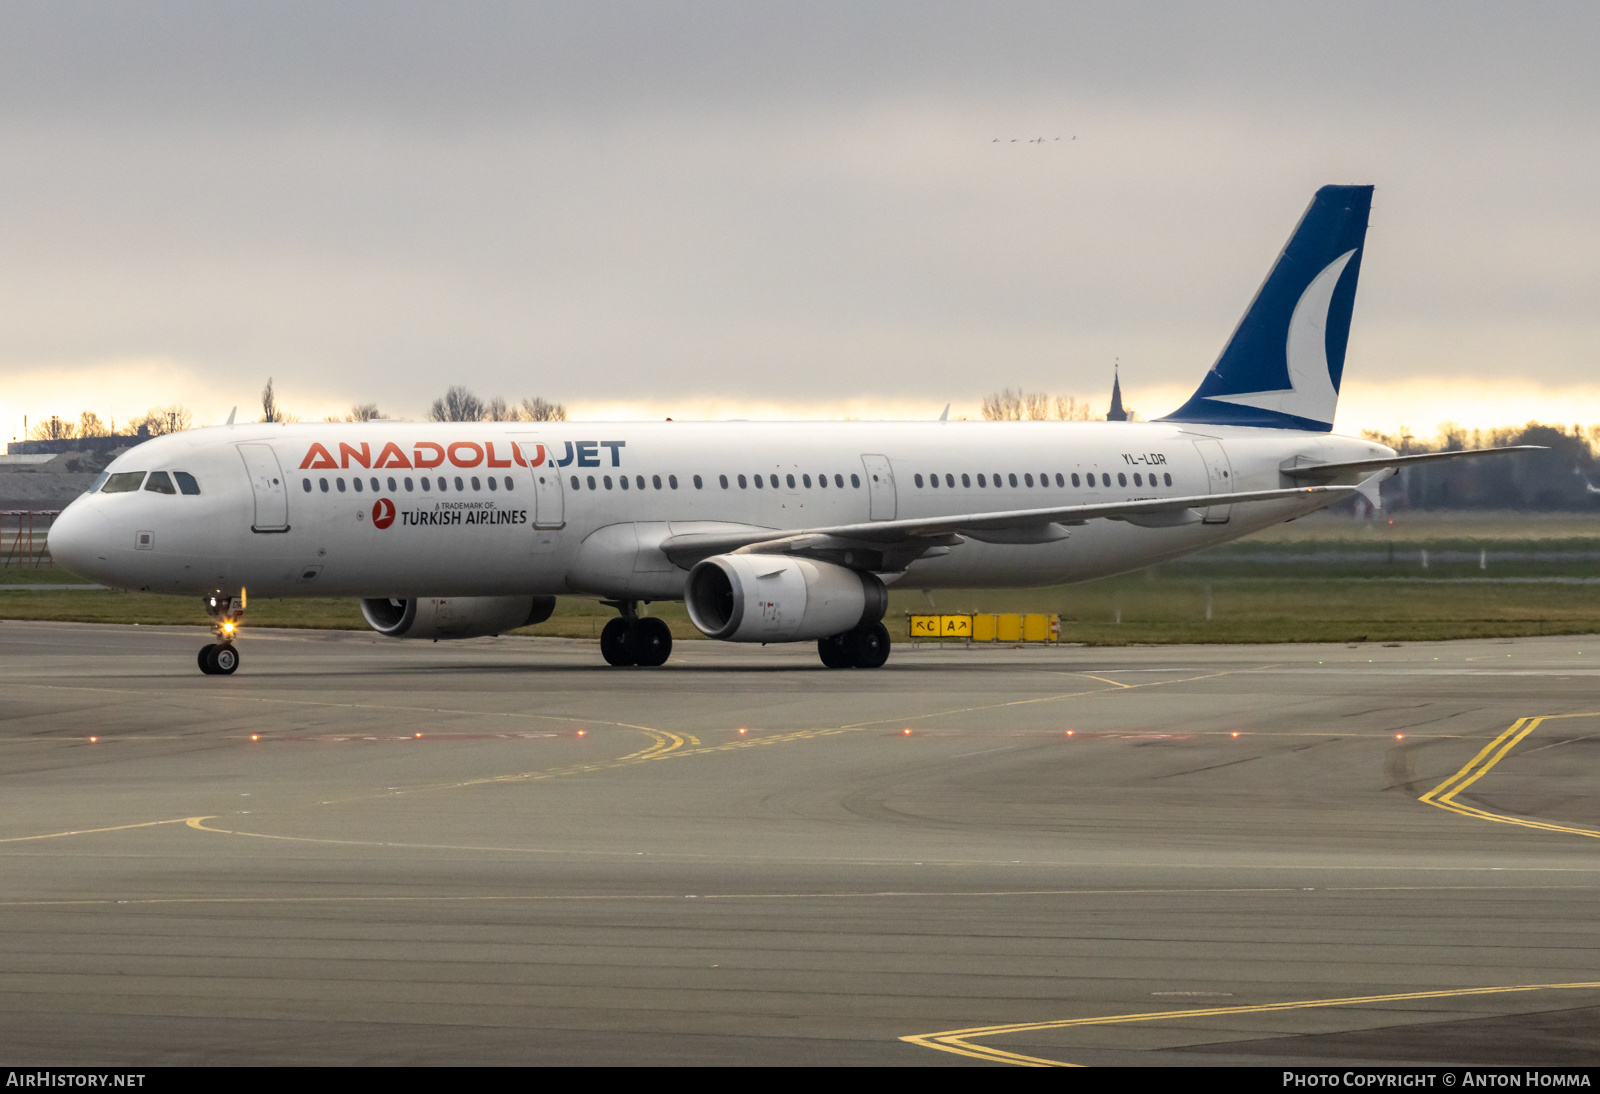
1283 365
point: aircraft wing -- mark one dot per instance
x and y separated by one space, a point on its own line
893 540
1316 471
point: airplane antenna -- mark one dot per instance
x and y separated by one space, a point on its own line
944 416
231 413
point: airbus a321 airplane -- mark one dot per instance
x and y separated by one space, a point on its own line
768 532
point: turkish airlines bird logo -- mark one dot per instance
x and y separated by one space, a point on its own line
382 513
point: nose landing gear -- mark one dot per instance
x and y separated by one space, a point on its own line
221 658
633 639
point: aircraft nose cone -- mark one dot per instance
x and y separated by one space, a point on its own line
80 540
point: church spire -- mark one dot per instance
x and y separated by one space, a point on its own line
1117 414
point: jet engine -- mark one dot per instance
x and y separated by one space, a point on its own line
455 616
776 598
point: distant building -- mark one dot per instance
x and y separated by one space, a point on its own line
103 445
1116 414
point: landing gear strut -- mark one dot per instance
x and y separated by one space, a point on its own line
221 657
633 639
865 647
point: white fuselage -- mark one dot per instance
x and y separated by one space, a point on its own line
396 509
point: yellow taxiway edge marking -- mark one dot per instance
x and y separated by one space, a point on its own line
1443 795
958 1041
92 831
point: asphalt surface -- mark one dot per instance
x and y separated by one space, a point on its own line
360 851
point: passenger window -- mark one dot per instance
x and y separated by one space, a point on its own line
375 485
340 484
575 485
743 483
357 484
855 480
1105 479
997 482
307 484
425 484
1027 479
607 480
508 482
324 484
187 483
493 485
1074 478
1059 480
1013 480
160 482
917 479
760 482
591 482
1137 481
966 480
1168 477
1122 480
774 479
459 484
806 479
655 481
789 479
123 482
391 485
981 480
624 479
822 481
408 486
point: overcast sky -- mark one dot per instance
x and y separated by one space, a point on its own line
743 209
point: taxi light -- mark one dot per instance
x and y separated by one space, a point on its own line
92 740
1069 733
581 732
741 731
906 732
1235 733
255 736
419 734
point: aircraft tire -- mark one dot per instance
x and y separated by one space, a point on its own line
614 643
224 659
205 659
835 651
649 641
868 645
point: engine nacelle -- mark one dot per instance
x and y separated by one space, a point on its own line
455 616
776 598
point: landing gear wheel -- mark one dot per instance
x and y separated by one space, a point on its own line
205 659
224 659
834 651
614 645
649 641
868 645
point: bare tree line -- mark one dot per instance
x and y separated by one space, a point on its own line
460 405
1016 405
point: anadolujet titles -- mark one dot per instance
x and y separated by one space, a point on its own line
768 532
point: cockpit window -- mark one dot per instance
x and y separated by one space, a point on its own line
123 482
99 481
160 482
186 483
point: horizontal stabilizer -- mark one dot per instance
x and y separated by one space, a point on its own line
1321 472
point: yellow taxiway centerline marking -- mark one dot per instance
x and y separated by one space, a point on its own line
1443 795
958 1041
92 831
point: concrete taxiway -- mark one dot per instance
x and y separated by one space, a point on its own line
501 851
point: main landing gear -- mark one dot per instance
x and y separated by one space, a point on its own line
865 647
221 657
633 639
